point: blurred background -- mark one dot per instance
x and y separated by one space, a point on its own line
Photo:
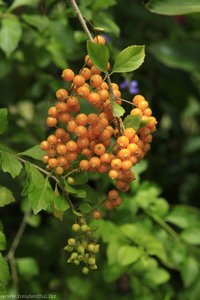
46 39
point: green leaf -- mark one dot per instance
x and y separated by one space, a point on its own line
191 235
80 193
103 4
184 216
39 22
18 3
127 255
35 152
10 34
105 22
99 54
132 121
27 267
118 110
6 196
10 164
129 59
4 274
173 7
180 55
3 119
38 189
85 208
157 276
189 271
80 178
2 241
60 203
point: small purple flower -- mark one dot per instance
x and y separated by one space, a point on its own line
131 85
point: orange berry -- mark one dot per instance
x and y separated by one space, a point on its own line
143 105
113 195
81 119
122 185
71 146
61 149
103 93
61 94
115 86
133 148
122 141
71 126
108 204
52 152
105 86
52 163
52 139
137 99
79 80
118 201
116 163
96 80
87 152
99 39
80 130
99 149
113 174
51 122
64 117
105 134
45 159
88 61
83 91
83 142
94 162
86 73
52 112
102 169
93 119
94 98
135 112
124 154
62 161
117 93
61 107
95 70
84 165
60 133
96 214
129 133
126 165
44 145
72 101
68 75
106 158
71 156
147 112
59 170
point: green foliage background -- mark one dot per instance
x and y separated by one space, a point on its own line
150 244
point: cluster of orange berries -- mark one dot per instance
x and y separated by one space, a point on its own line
97 142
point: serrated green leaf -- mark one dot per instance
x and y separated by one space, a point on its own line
118 110
37 21
191 235
35 152
60 203
173 7
129 59
3 119
157 276
6 196
38 189
27 267
10 34
4 274
10 164
18 3
99 54
127 255
85 208
132 121
2 241
189 271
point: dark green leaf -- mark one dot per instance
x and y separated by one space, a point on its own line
78 192
80 178
173 7
3 119
85 208
60 203
189 271
118 110
99 54
38 189
27 267
18 3
35 152
132 121
180 55
4 274
128 254
10 34
103 4
37 21
191 235
129 59
6 196
2 241
10 164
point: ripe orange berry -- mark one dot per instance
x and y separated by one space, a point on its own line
80 130
83 142
118 201
122 141
143 105
99 39
52 112
99 149
105 135
103 93
105 86
72 101
124 154
44 145
61 107
102 169
68 75
52 152
71 146
126 165
71 126
59 170
83 91
96 80
113 195
84 165
60 133
106 158
116 163
96 214
88 61
95 70
93 119
87 152
137 99
71 156
113 174
147 112
61 149
108 205
136 111
115 86
81 119
51 122
94 162
62 161
79 80
94 98
61 94
129 133
52 163
45 159
86 73
52 139
133 148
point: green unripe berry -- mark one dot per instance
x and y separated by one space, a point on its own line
80 257
74 255
85 270
76 227
70 180
76 262
84 243
80 249
71 242
91 260
69 248
91 247
93 267
96 248
85 228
